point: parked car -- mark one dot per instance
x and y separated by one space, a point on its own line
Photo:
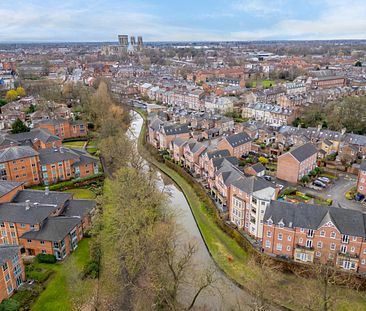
266 177
324 179
319 183
359 197
279 186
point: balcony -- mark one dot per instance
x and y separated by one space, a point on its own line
304 253
347 255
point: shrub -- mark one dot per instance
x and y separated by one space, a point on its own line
46 258
263 160
90 270
289 191
37 274
312 173
305 179
10 305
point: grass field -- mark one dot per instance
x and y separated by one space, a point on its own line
74 144
265 83
81 193
58 295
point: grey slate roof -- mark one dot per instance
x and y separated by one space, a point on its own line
155 124
18 212
7 186
54 155
35 134
258 167
250 184
218 154
17 152
310 216
79 208
179 141
238 139
175 129
303 152
40 196
54 229
8 252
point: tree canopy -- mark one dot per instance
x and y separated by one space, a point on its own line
19 127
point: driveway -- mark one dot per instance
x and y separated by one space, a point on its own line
336 192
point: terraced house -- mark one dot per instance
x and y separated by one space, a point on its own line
237 144
293 165
316 233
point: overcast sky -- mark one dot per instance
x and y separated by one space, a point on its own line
188 20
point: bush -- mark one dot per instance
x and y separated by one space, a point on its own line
289 191
46 258
10 305
90 270
312 173
305 179
37 274
263 160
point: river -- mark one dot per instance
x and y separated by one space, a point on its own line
225 294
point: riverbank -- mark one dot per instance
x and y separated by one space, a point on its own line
231 258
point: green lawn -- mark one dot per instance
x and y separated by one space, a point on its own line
74 144
56 296
81 193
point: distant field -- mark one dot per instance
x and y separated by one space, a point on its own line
265 83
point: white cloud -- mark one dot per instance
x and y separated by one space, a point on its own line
258 7
340 20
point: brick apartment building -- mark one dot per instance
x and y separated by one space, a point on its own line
316 233
20 163
45 222
12 270
237 144
64 128
361 179
168 133
295 164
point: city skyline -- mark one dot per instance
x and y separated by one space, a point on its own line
236 20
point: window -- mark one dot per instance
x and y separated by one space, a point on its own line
343 249
279 247
332 246
7 277
345 238
289 238
3 233
9 288
354 238
5 266
352 249
22 225
12 234
42 242
44 251
302 229
301 240
319 244
44 168
29 241
269 234
2 225
288 248
318 254
11 225
280 236
333 235
268 243
310 233
363 261
309 243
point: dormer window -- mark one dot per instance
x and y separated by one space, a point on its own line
281 224
270 222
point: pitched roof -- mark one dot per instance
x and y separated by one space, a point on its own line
8 252
258 167
43 197
17 152
218 154
28 213
53 155
79 208
54 229
303 152
7 186
175 129
35 134
311 216
251 184
238 139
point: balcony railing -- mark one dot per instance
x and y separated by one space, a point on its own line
347 255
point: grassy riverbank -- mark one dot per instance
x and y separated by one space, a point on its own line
222 247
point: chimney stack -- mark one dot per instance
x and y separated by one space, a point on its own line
47 191
27 205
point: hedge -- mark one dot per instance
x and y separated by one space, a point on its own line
46 258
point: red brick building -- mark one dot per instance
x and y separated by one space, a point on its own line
361 179
64 128
12 270
237 144
315 233
295 164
